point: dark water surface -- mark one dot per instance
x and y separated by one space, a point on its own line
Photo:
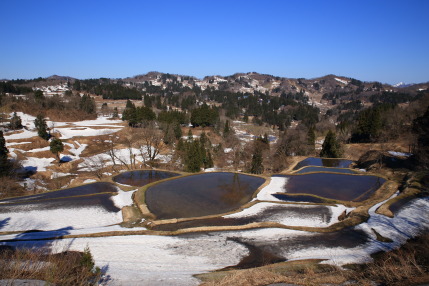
313 169
90 189
140 178
101 200
334 186
269 214
323 162
200 195
298 198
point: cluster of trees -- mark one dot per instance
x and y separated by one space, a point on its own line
204 116
370 123
331 147
260 146
391 97
297 142
274 110
137 116
9 87
195 154
421 129
173 116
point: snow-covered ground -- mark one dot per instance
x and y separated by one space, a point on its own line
30 216
173 260
399 154
341 80
276 185
166 260
70 131
122 155
294 217
100 126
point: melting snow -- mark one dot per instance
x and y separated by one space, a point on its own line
342 81
276 185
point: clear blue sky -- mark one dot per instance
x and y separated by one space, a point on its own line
382 40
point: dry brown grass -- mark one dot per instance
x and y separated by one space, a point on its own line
307 272
67 268
248 277
10 188
407 265
36 142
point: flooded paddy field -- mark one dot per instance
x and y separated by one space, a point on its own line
140 178
313 169
90 189
153 259
323 162
286 214
299 198
201 195
333 186
84 206
101 200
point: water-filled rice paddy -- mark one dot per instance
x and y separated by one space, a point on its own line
142 177
200 195
333 186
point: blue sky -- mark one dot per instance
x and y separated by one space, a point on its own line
377 40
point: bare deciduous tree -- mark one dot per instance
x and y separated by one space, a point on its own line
149 142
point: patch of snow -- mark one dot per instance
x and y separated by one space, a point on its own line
23 134
290 218
37 164
59 175
227 150
96 162
342 81
101 120
399 154
67 133
16 143
39 149
89 181
123 199
276 185
157 260
53 219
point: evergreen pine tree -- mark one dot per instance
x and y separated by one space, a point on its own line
169 134
87 104
209 163
203 139
177 130
41 127
115 113
15 122
331 148
190 135
180 145
226 129
311 139
256 165
56 147
129 104
193 160
4 163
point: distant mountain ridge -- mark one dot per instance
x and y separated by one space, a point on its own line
253 82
